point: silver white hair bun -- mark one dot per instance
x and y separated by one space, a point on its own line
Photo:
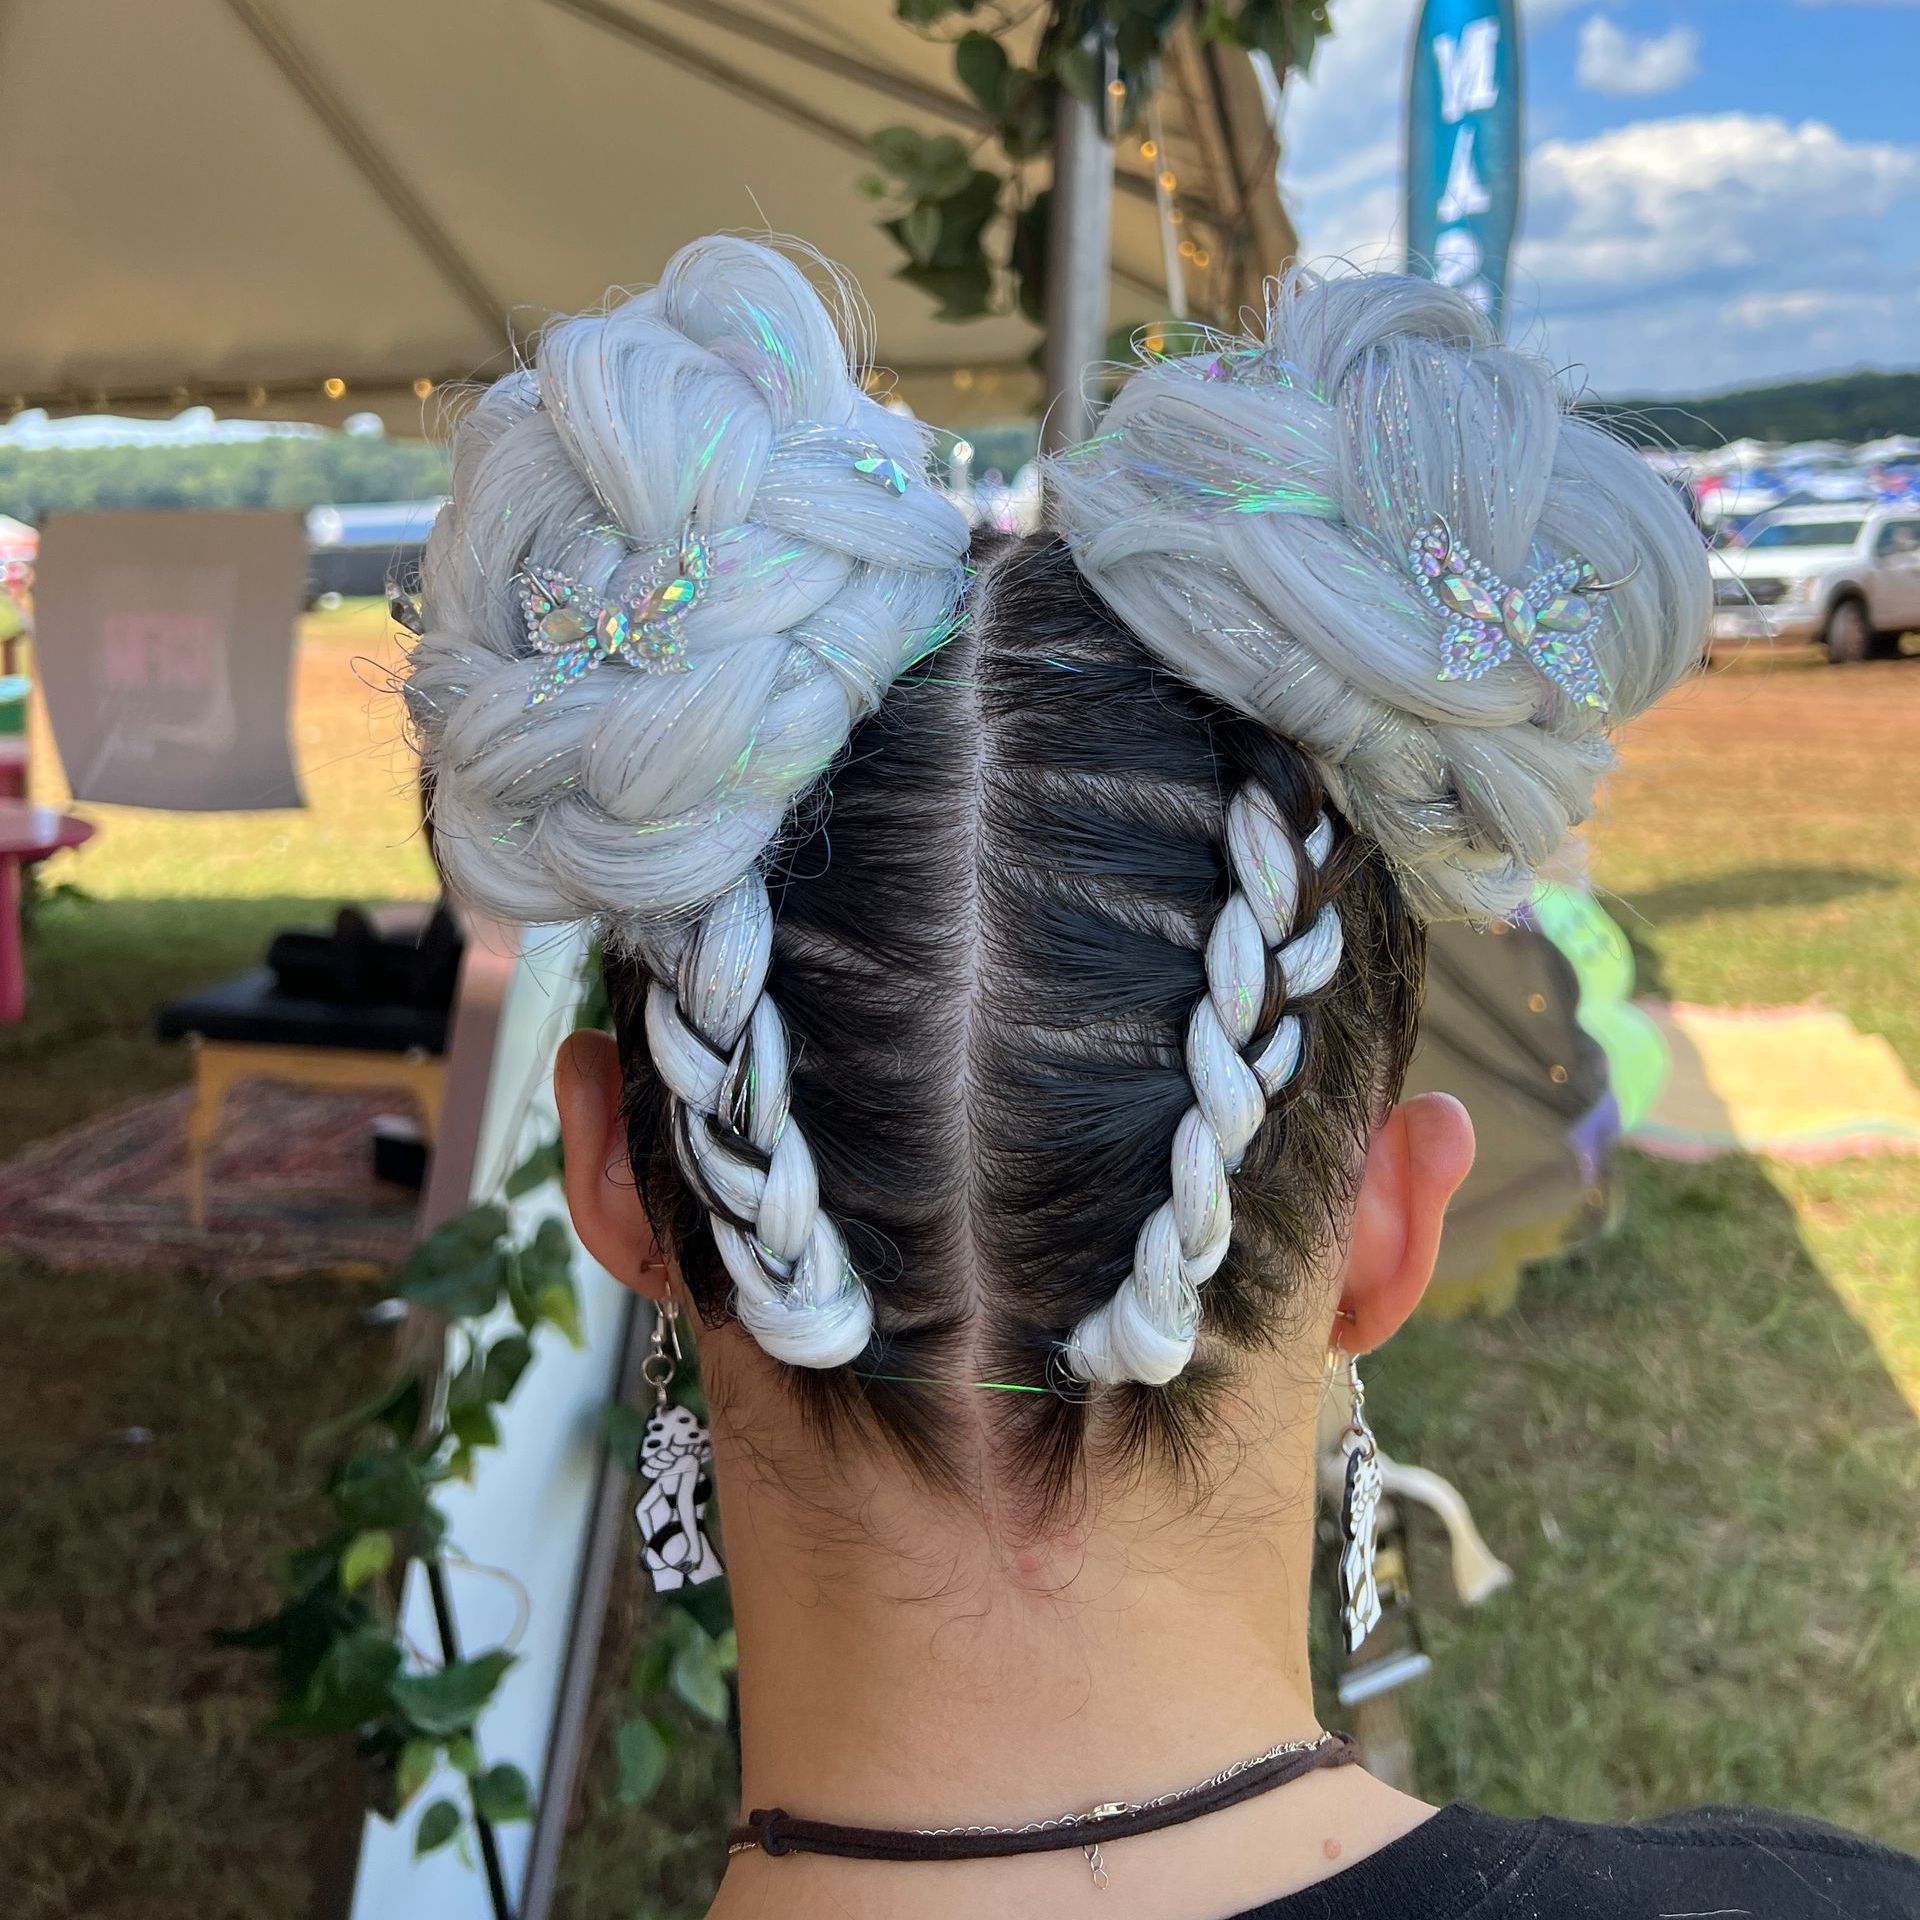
1251 512
722 405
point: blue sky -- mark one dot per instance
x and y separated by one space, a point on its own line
1720 192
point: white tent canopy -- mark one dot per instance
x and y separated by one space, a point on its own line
237 202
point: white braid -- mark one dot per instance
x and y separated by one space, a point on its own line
721 1047
1146 1332
714 424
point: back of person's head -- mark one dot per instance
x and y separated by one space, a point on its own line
1013 944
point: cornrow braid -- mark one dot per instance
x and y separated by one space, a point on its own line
720 1046
1241 1051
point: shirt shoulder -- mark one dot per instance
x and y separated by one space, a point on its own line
1722 1859
1727 1862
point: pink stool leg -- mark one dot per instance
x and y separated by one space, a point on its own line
13 965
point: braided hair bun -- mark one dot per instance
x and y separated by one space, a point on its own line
1381 533
686 554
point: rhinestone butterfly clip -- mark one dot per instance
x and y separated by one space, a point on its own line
639 628
1546 617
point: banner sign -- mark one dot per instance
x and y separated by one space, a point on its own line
1463 147
164 643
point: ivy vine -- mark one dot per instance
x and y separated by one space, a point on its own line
974 237
336 1639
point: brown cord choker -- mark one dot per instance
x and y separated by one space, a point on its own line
776 1832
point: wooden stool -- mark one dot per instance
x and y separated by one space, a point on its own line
220 1065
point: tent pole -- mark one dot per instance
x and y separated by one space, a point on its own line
1079 257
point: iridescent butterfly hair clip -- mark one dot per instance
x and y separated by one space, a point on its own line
1545 616
640 626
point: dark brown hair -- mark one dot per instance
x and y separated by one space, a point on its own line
991 919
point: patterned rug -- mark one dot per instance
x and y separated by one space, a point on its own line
290 1189
1797 1083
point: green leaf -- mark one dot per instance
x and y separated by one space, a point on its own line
506 1361
898 149
726 1651
462 1755
559 1306
640 1757
981 62
959 293
920 229
1028 254
459 1269
349 1686
396 1406
379 1489
502 1793
471 1424
872 186
438 1825
964 214
414 1768
367 1556
548 1256
451 1699
699 1682
542 1165
625 1428
648 1673
929 13
1026 120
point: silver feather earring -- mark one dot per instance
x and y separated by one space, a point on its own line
1359 1518
675 1458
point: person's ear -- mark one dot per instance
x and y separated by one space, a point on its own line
601 1196
1416 1159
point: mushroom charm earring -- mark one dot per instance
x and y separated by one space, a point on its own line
1359 1518
674 1458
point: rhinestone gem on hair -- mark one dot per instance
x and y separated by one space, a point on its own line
1545 616
882 471
639 629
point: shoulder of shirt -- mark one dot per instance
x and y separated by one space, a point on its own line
1724 1825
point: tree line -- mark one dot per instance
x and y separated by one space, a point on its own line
292 471
1850 407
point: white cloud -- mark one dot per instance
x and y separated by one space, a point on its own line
1687 254
1664 202
1614 61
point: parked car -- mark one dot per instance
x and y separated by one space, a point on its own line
351 550
1848 578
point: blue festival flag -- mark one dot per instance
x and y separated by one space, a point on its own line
1463 147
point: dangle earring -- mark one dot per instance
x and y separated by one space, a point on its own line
675 1455
1359 1518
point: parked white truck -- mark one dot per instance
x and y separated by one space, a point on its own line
1846 576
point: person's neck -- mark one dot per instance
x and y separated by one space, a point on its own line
903 1664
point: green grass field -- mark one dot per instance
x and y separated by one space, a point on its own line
1696 1443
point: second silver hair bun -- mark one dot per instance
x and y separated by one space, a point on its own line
1248 511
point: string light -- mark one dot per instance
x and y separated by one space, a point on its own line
333 387
1148 151
1167 180
963 378
422 387
1201 257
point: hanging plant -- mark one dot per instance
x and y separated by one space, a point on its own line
973 235
336 1638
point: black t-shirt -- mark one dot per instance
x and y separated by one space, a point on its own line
1735 1863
